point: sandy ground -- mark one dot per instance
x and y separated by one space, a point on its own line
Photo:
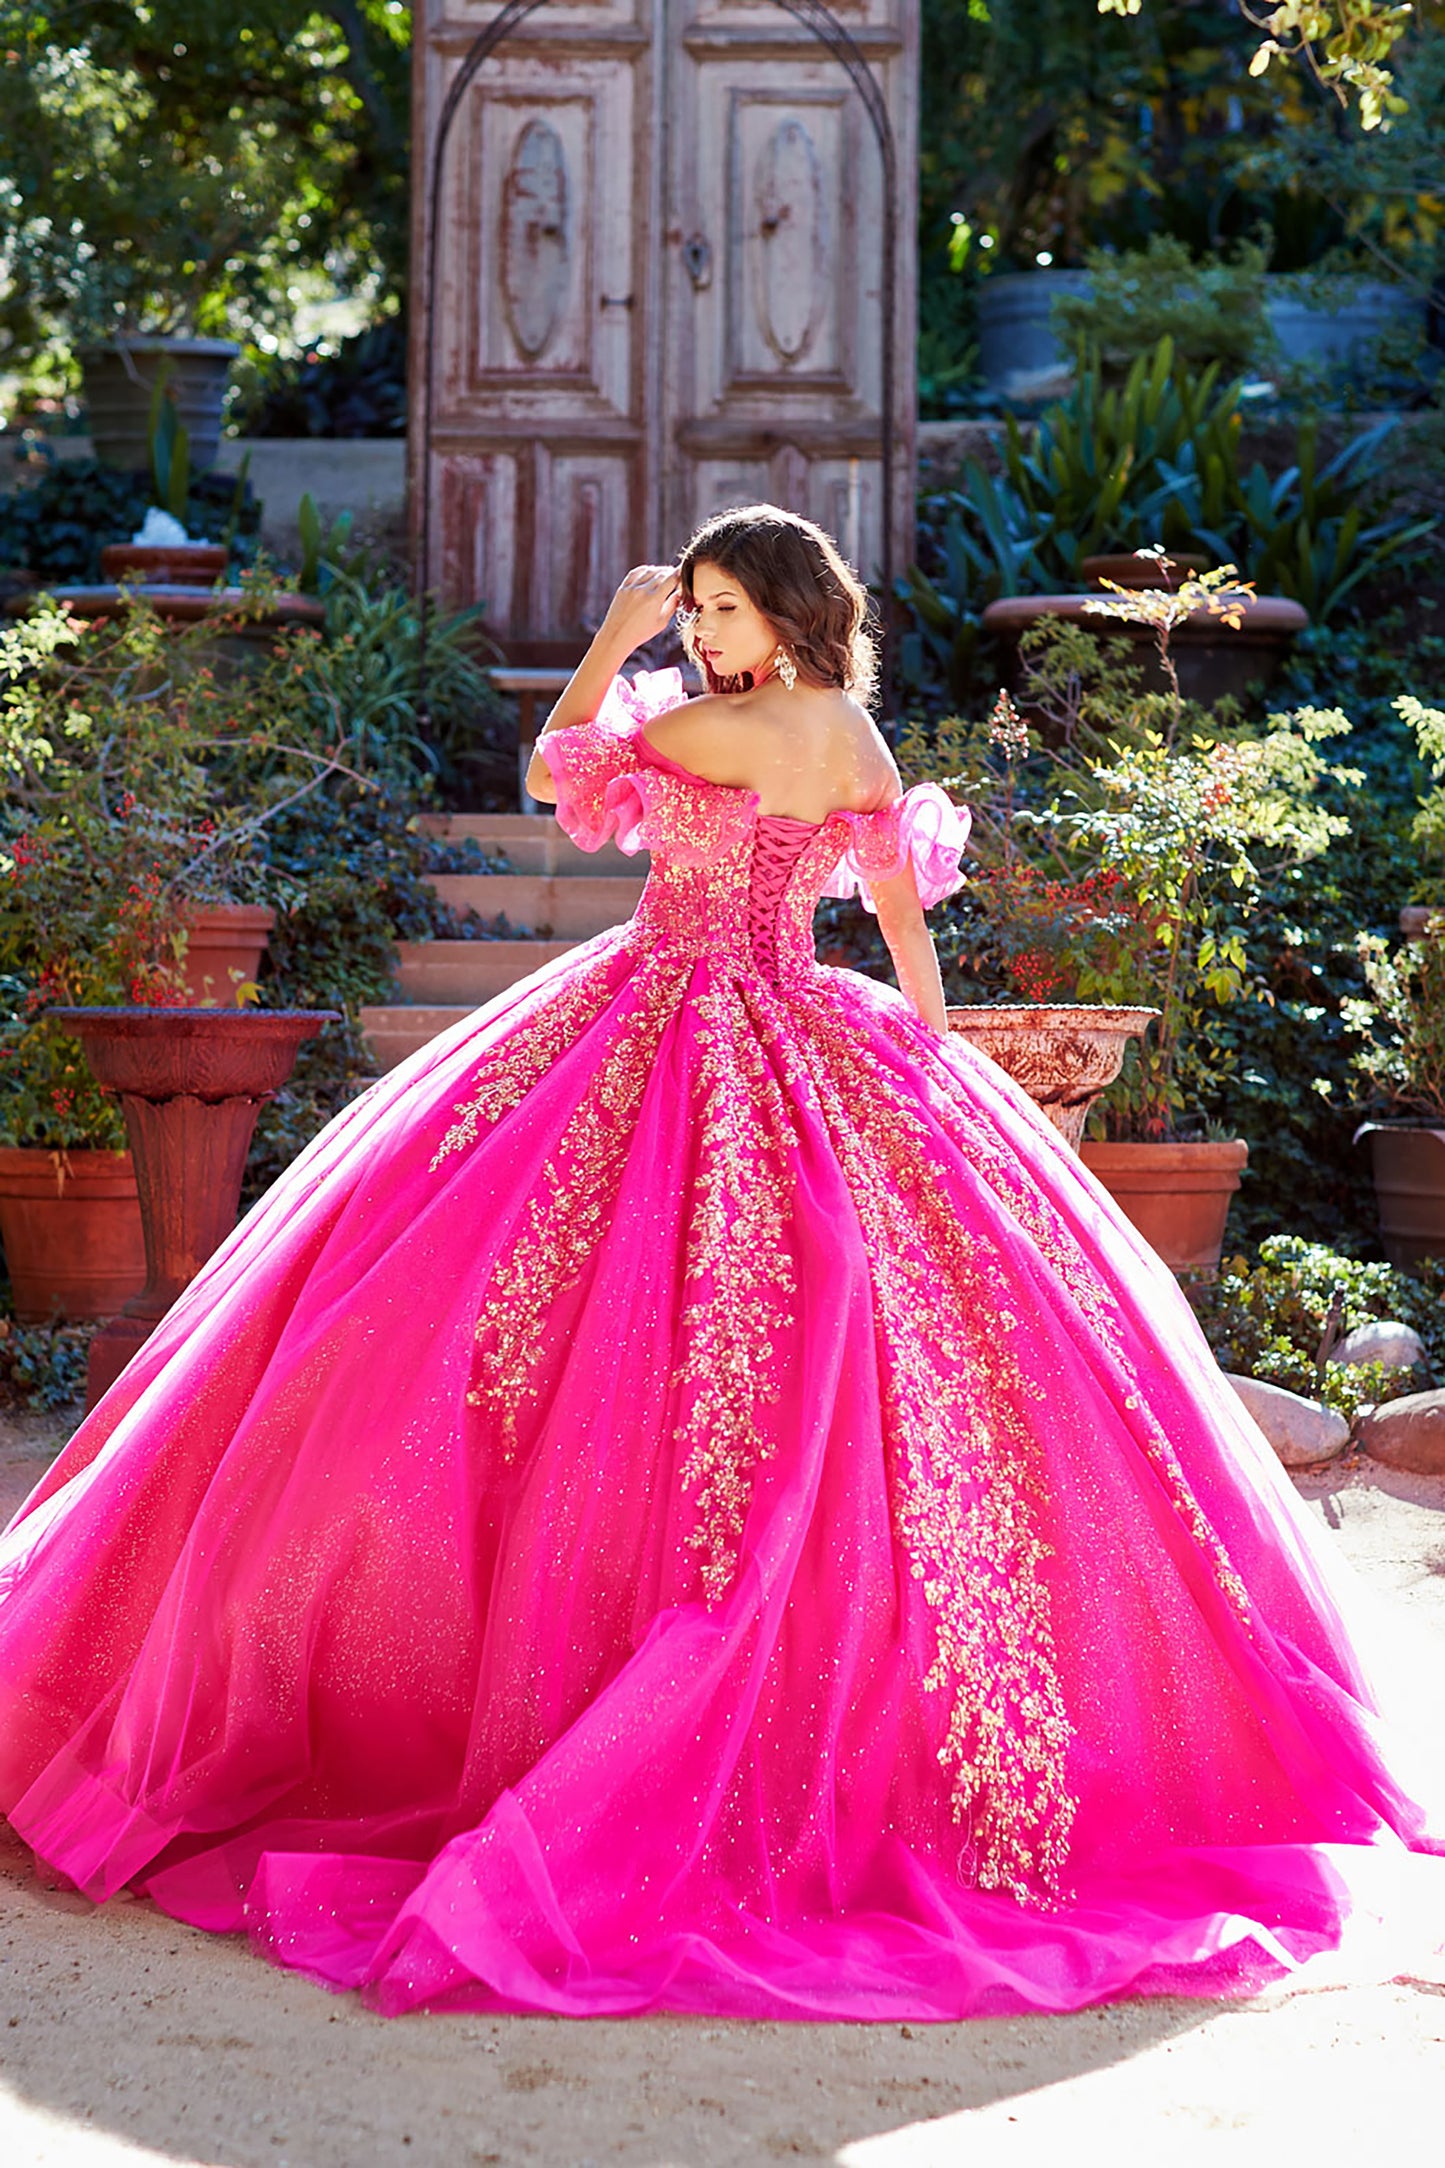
127 2040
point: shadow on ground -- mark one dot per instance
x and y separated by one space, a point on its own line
120 2022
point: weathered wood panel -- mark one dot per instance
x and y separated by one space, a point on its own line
658 293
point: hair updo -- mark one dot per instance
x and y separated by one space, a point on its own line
791 572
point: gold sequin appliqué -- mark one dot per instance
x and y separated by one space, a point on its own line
1010 1182
569 1208
962 1465
504 1078
741 1276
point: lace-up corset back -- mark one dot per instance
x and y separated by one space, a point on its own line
727 880
752 903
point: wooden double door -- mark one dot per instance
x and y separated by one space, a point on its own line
659 292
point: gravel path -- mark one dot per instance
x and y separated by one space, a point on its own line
126 2040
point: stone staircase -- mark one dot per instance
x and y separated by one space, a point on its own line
562 894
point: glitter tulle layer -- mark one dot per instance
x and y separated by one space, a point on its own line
688 1496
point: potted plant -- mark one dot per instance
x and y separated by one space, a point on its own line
69 1212
1401 1021
112 787
161 551
167 188
1120 850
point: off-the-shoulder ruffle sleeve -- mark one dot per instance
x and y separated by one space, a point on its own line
589 759
923 826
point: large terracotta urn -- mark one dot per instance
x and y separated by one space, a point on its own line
191 1083
1063 1054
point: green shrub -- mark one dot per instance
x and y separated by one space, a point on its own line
1115 469
1268 1320
357 391
57 528
1214 310
43 1366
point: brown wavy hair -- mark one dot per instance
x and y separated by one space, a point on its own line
793 573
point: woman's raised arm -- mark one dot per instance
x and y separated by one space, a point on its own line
637 612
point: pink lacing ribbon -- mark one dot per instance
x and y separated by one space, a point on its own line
778 844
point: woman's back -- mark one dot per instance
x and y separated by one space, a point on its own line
807 752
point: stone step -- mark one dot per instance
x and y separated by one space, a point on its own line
532 843
471 972
391 1033
572 907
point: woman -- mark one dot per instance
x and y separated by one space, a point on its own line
686 1495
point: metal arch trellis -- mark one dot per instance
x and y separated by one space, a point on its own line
815 16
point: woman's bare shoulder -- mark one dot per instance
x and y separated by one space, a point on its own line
700 734
874 767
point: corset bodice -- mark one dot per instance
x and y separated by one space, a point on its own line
729 881
752 904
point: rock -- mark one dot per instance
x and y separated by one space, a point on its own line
1382 1340
1407 1433
1302 1432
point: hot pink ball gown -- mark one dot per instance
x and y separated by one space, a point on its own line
688 1496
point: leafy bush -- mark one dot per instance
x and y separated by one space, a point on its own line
57 529
1118 858
357 391
1428 828
1214 310
363 674
1402 1022
140 782
1109 470
43 1366
166 171
1268 1320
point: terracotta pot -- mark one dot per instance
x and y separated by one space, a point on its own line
1415 917
1408 1160
1177 1195
180 564
224 946
191 1083
71 1227
1063 1054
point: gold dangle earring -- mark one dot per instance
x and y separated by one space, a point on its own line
785 668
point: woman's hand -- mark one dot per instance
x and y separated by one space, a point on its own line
637 612
640 608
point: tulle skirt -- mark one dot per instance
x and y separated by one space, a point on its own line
687 1496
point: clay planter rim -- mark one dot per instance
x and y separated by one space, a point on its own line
1028 1015
1415 917
158 563
237 917
206 1054
183 605
1267 619
1138 573
1393 1124
1205 1154
159 342
44 1169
